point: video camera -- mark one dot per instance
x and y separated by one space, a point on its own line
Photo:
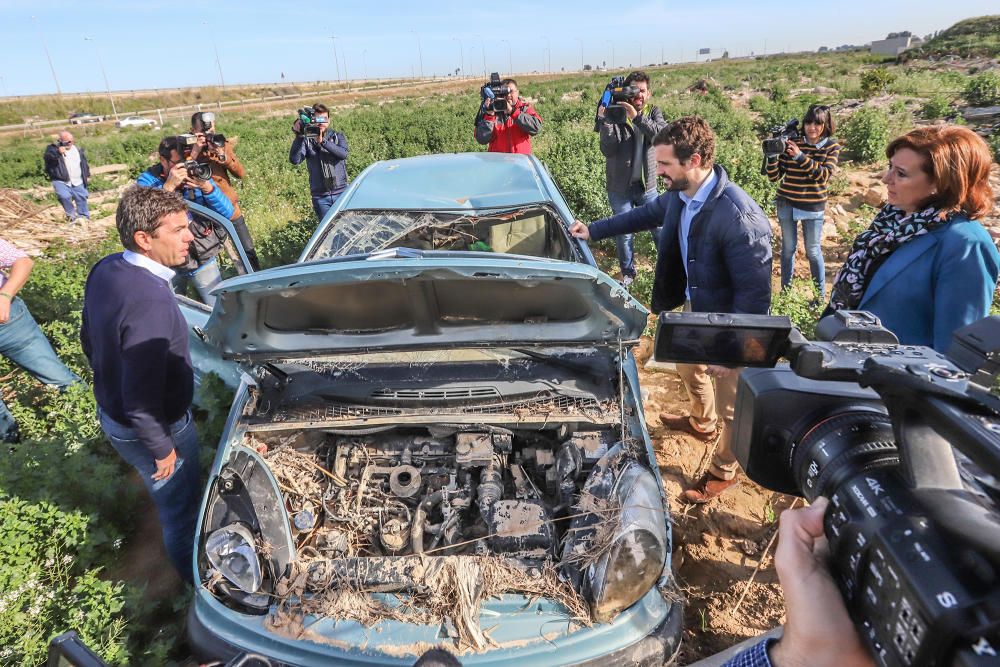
196 170
614 94
775 144
494 93
310 121
904 441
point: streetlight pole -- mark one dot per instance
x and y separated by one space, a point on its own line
461 54
583 59
45 46
107 85
347 77
510 66
420 53
364 62
548 48
482 48
336 60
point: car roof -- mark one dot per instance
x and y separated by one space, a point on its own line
451 181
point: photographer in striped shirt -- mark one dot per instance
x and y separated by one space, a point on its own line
804 170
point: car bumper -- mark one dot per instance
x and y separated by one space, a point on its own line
658 647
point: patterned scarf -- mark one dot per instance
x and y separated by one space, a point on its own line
890 229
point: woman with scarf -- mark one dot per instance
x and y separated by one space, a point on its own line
925 266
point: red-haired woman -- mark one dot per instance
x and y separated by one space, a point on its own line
925 266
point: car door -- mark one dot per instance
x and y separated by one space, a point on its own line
206 358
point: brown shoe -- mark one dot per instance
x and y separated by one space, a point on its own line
707 488
683 423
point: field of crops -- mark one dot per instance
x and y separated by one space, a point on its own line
64 516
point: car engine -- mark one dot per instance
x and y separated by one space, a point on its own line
441 491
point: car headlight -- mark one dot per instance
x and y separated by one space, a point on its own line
635 560
231 551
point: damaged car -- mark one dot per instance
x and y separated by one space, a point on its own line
437 438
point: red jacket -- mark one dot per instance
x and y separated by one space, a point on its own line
513 135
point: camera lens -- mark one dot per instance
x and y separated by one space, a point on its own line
852 440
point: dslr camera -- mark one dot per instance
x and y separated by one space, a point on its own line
310 123
214 138
197 170
904 441
494 94
779 137
614 94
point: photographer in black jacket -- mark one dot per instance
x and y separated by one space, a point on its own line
631 164
67 168
325 152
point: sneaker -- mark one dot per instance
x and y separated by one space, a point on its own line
626 281
707 488
683 423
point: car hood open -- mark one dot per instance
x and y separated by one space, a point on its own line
408 299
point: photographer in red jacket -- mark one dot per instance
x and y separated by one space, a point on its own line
505 121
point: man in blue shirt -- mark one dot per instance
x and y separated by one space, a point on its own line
714 255
136 340
200 265
325 154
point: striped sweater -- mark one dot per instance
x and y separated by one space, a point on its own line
804 179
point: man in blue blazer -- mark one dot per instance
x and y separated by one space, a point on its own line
714 255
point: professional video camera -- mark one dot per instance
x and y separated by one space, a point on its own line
912 524
775 144
615 93
196 170
310 122
495 94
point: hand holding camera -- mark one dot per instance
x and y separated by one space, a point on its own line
781 136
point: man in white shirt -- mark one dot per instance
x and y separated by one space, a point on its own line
67 168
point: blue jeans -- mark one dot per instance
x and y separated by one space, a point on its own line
205 277
22 341
323 203
70 195
624 242
178 497
812 231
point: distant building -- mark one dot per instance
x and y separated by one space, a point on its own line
824 49
894 44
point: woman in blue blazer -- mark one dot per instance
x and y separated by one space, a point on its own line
925 266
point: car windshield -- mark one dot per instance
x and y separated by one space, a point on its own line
534 231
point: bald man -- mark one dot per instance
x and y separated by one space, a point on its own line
67 168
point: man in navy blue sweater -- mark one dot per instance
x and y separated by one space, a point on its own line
136 340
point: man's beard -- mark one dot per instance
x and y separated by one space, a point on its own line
679 185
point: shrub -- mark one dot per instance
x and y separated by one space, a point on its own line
983 89
876 81
800 302
994 143
866 134
936 107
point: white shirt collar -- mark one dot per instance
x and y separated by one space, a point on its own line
150 265
702 194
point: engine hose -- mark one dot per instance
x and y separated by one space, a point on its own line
417 527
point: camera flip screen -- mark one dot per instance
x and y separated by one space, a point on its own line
723 339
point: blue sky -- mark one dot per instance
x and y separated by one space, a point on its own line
150 45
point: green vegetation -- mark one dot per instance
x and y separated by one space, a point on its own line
876 81
936 107
866 134
972 38
983 89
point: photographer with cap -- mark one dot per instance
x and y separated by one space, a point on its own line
505 121
627 145
325 152
177 155
219 153
67 168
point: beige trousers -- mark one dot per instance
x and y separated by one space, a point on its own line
710 403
